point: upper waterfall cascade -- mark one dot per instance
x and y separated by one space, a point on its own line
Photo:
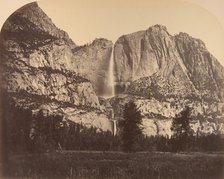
109 85
111 74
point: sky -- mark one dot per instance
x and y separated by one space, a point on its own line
85 20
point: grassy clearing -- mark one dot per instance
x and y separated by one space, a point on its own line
116 165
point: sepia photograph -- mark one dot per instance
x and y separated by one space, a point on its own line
112 89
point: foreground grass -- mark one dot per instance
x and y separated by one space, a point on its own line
116 165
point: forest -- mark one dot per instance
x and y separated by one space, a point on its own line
35 133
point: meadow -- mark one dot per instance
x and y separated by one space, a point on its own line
116 165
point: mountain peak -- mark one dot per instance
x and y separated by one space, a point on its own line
102 41
31 22
184 37
158 27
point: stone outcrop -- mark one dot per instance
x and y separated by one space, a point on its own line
79 114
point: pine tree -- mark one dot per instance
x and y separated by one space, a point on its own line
131 127
181 130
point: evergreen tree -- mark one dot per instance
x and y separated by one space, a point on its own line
181 130
131 127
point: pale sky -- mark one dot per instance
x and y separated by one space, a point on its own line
85 20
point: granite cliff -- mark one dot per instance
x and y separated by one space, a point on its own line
92 62
154 61
41 68
164 73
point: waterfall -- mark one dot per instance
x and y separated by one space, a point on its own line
114 127
109 83
111 75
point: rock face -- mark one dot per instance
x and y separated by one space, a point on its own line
40 44
40 61
157 115
163 74
92 62
203 69
168 65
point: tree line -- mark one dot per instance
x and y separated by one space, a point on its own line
26 132
182 139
